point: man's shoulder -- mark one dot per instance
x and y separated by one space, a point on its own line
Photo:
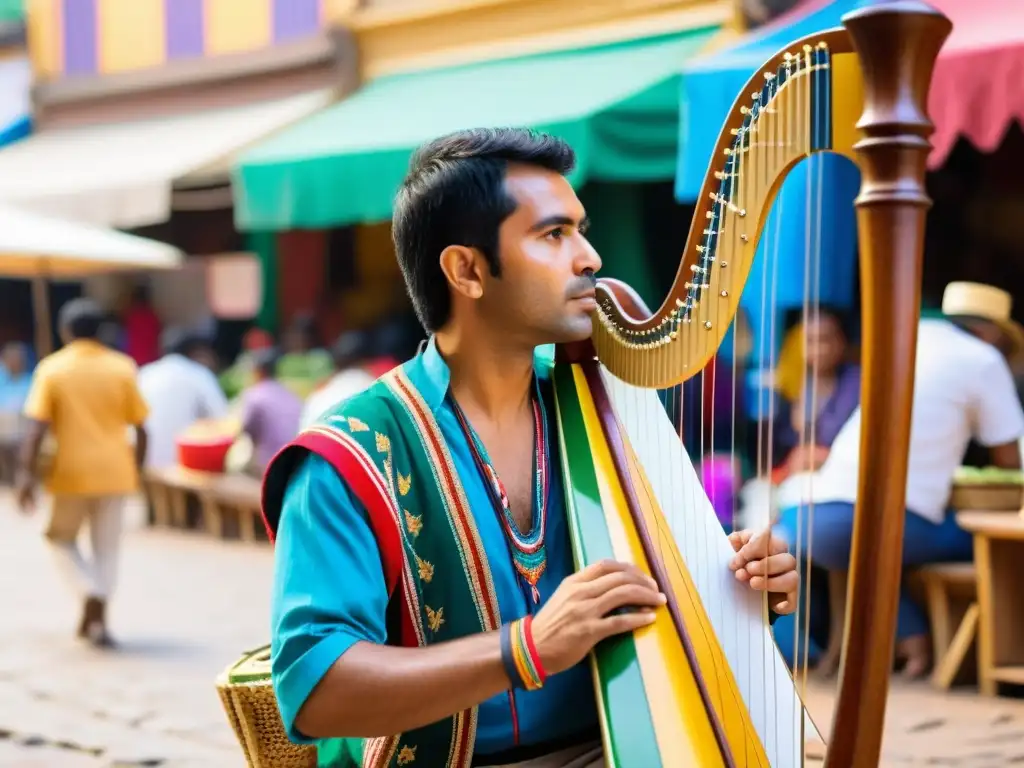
118 361
950 362
942 338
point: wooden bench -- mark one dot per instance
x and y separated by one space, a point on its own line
951 596
220 496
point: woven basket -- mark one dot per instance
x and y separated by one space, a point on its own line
987 497
251 707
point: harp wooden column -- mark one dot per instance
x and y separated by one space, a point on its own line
898 43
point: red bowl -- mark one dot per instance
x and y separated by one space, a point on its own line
206 456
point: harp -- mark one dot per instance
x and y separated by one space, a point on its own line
705 685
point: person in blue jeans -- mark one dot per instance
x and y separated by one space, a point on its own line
829 531
963 392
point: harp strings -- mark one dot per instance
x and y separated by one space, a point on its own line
781 130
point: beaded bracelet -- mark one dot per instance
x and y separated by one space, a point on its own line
519 655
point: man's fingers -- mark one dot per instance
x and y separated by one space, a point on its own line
786 583
771 566
783 606
757 547
739 538
609 581
628 594
597 570
623 622
763 543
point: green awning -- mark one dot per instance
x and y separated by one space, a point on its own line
12 10
618 105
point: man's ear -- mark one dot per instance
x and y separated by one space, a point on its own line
463 268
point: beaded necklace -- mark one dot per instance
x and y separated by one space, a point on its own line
528 553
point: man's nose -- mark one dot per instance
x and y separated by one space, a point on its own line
587 258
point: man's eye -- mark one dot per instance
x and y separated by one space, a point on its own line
556 234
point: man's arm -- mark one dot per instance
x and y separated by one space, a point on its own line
998 416
141 445
38 412
332 673
28 455
136 413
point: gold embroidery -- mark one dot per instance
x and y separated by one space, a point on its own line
413 523
356 425
426 569
404 483
384 446
434 618
406 755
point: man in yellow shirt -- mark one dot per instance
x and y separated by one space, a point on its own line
86 396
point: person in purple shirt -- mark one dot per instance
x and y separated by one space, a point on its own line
270 411
805 428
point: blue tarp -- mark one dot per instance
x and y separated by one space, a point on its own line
812 221
711 84
16 130
15 106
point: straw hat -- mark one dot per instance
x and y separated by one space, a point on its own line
983 302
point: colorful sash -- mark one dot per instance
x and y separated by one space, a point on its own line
387 445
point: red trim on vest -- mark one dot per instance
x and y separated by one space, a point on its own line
378 506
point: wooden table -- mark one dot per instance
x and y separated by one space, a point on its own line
998 554
219 495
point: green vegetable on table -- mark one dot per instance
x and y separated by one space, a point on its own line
988 476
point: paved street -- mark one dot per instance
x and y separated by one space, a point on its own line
187 606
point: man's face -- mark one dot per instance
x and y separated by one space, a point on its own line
545 293
826 345
13 359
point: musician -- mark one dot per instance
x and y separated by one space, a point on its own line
963 390
491 241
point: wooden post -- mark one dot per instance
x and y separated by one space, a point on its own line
41 310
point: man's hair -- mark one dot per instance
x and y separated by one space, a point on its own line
180 341
350 348
81 318
454 194
264 361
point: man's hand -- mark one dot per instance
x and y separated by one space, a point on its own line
579 614
25 494
763 562
806 458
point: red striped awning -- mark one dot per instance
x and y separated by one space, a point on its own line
978 87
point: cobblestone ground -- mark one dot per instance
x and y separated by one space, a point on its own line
187 606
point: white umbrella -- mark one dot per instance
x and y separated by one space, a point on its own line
41 248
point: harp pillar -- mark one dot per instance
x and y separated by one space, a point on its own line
897 42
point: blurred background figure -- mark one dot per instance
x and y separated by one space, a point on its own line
87 396
270 411
15 380
180 389
817 394
303 363
141 328
237 376
351 353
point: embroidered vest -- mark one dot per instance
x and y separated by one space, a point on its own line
389 449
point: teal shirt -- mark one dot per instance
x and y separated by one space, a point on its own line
329 590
